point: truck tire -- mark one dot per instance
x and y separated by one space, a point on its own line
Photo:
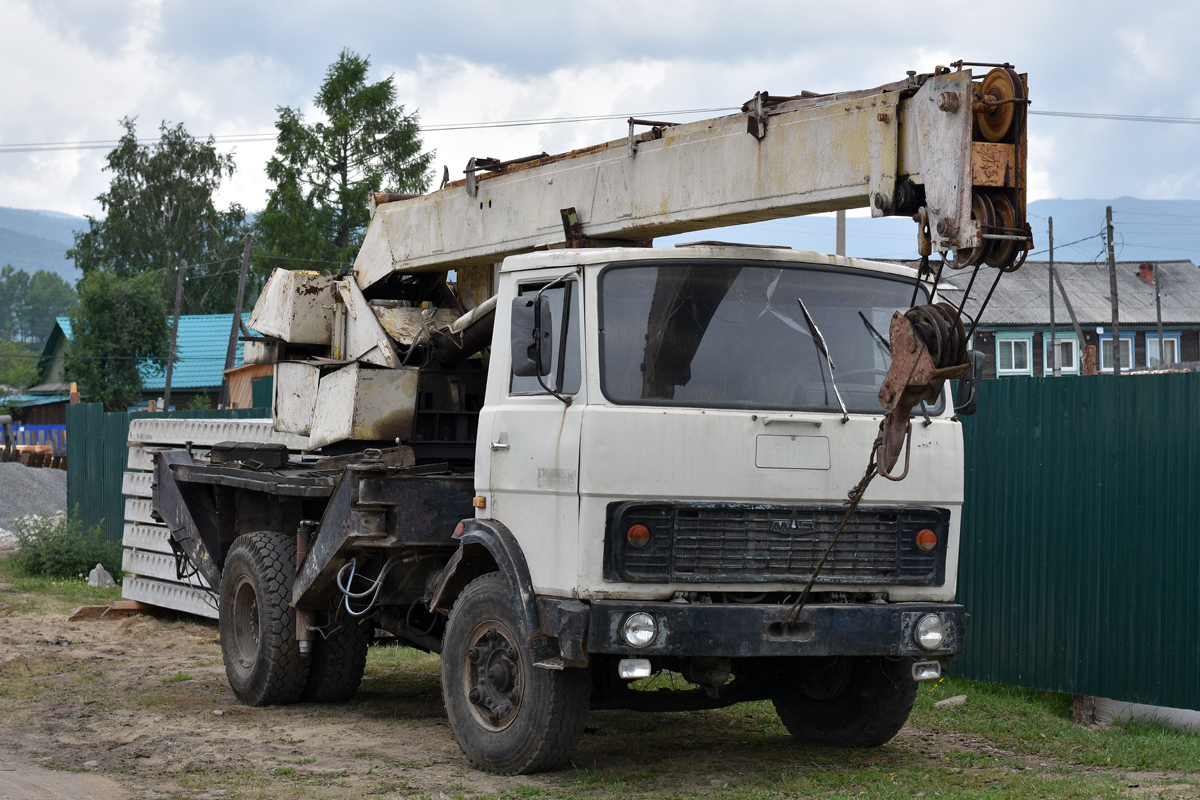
855 702
258 625
339 658
507 715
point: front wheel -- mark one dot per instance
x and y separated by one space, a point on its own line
847 702
507 715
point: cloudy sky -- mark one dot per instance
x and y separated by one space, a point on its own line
70 69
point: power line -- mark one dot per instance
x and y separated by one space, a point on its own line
1119 117
1068 244
250 138
240 138
1154 214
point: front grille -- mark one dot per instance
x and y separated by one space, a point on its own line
753 543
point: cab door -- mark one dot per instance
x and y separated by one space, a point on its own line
533 480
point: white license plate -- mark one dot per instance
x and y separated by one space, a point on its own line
792 452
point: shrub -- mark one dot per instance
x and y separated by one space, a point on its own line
60 547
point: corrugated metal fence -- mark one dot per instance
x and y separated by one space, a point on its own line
97 454
1081 539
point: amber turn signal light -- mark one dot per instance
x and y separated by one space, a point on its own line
926 539
638 535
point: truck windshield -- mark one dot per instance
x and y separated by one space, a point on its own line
733 335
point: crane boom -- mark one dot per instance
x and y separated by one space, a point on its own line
929 146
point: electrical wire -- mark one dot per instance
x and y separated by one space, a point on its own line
250 138
240 138
373 592
1118 117
1068 244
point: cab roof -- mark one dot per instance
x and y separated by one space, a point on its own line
713 251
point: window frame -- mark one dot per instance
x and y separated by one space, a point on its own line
940 408
572 296
1176 336
1130 337
1014 336
1048 362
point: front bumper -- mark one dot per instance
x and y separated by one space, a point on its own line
734 630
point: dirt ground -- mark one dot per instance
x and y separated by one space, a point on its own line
140 708
146 700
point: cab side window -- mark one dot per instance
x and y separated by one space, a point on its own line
566 371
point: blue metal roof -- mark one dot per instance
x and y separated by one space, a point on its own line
199 352
27 400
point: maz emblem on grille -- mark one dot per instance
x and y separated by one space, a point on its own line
793 525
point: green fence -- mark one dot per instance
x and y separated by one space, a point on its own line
97 455
1080 560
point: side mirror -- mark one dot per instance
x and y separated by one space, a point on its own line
967 398
532 337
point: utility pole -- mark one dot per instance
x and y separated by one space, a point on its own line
1162 346
841 233
1112 287
231 351
174 333
1056 360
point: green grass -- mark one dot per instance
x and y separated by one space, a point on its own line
1038 723
31 594
178 677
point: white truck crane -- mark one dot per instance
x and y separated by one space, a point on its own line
584 460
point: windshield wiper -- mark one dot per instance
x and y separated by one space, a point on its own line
878 336
819 340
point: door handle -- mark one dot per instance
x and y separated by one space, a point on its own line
499 446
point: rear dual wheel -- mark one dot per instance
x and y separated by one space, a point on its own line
262 656
258 625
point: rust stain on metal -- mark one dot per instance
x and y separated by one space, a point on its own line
992 164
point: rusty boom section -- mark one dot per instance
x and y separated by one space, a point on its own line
947 148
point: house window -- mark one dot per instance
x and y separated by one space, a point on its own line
1014 353
1068 350
1170 350
1106 353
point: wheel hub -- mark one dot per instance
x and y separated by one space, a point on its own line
493 677
245 623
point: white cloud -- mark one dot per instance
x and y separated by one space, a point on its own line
72 68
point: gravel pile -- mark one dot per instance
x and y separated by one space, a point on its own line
25 490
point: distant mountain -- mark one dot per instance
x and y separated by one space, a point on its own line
1144 230
33 240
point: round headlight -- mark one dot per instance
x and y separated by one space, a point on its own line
930 632
639 629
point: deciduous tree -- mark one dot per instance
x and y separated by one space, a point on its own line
118 330
160 208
